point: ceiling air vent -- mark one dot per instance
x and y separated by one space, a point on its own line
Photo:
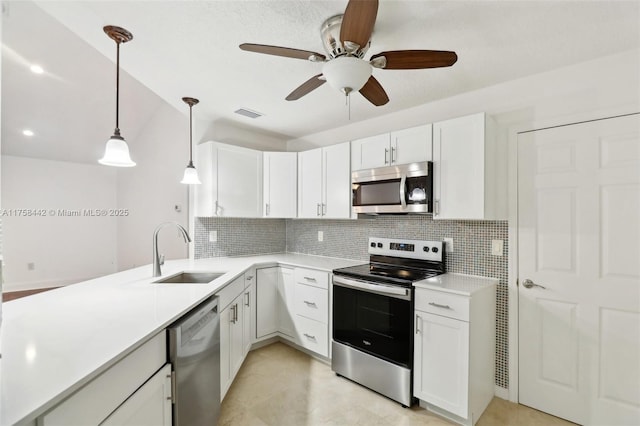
248 113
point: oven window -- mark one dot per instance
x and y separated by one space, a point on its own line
379 193
379 325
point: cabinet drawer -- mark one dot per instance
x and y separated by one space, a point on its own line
230 292
313 335
441 303
312 277
96 400
311 302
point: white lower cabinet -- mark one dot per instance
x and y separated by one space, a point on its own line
454 348
135 385
249 311
285 303
149 406
234 336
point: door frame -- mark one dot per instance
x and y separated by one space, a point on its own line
526 126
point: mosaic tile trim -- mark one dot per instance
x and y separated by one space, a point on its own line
238 236
348 239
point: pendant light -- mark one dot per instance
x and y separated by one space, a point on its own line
116 152
190 172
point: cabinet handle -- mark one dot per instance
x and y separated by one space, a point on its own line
310 279
173 387
436 207
386 154
393 153
310 337
418 321
266 209
249 278
306 302
215 212
246 303
318 210
324 209
437 305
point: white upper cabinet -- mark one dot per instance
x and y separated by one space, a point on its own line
231 181
280 184
324 183
412 145
400 147
466 170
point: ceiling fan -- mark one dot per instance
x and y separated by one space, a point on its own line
346 39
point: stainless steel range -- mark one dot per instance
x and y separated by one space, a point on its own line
373 314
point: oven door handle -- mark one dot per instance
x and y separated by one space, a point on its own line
385 290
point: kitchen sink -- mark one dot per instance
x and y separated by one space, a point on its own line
190 278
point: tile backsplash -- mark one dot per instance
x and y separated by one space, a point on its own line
348 239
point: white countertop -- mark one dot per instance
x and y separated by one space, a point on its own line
53 343
457 283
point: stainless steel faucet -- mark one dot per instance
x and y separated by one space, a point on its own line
156 257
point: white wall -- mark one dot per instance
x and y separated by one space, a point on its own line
62 249
235 134
151 190
612 81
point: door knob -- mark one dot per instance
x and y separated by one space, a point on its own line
528 284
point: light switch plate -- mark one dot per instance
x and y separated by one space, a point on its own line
497 247
320 236
448 248
213 236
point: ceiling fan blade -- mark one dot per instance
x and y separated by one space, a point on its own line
306 87
358 21
414 59
373 91
283 51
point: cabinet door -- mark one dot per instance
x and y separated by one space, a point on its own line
310 183
150 405
412 145
206 194
248 313
286 302
459 184
236 344
371 152
239 181
225 349
280 184
336 175
266 301
441 362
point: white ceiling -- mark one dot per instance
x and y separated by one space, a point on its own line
190 48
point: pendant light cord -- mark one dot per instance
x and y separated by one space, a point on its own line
190 136
117 87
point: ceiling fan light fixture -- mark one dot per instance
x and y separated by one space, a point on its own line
347 73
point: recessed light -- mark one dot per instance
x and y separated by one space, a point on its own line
27 132
36 69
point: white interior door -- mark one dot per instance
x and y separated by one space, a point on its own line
579 238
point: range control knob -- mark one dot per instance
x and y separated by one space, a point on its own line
379 245
426 249
434 249
373 244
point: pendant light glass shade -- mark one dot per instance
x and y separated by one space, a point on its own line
190 175
116 152
190 172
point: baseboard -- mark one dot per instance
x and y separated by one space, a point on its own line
502 393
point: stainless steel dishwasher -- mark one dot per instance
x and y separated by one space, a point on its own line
194 352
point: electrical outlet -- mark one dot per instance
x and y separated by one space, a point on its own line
448 248
320 236
213 236
497 247
31 266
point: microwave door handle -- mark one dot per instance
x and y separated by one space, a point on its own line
403 194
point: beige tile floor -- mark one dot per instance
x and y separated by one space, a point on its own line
281 386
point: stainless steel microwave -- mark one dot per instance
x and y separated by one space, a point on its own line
407 188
